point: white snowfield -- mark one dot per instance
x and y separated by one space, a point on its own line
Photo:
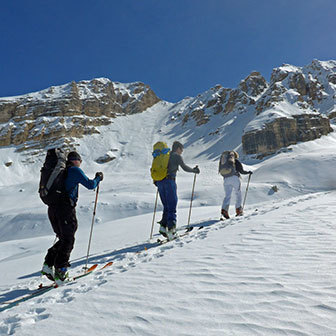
270 272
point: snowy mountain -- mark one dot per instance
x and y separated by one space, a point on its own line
296 106
270 272
59 113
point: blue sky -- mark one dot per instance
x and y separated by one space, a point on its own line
178 47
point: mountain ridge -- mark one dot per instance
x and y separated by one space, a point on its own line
297 104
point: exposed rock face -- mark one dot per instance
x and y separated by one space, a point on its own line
70 110
309 90
222 100
283 132
253 85
297 105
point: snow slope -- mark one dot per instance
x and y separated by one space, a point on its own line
271 272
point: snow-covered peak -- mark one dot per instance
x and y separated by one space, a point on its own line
317 65
42 118
254 84
86 89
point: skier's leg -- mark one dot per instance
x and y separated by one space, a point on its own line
237 187
53 215
228 191
171 193
163 197
67 236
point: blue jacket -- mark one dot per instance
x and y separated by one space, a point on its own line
74 177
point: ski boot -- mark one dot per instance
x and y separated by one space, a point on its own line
61 275
163 230
224 214
48 271
171 232
239 211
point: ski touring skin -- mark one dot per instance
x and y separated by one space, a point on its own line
44 289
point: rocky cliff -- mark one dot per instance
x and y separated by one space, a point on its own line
296 105
71 110
258 117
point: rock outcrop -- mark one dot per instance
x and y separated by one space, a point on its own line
296 105
70 110
302 100
219 100
108 157
283 132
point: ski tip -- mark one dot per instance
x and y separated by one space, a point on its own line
108 264
91 268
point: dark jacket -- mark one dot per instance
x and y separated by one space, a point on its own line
240 169
176 161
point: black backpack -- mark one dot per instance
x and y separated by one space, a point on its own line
53 175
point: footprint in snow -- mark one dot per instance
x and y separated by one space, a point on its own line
11 324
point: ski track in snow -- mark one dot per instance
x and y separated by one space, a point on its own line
253 287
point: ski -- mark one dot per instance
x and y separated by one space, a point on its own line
74 278
87 272
44 289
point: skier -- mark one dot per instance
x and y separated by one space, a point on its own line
63 219
231 168
167 190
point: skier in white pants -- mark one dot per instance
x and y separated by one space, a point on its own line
231 168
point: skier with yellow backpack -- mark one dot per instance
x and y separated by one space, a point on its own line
163 171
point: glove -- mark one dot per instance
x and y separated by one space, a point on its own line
100 175
196 170
250 172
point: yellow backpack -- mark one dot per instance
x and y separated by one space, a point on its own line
161 154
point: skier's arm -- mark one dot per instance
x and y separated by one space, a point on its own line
81 178
240 169
184 166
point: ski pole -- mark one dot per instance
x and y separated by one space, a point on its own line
94 214
248 182
192 196
156 199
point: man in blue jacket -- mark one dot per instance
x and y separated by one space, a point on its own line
63 219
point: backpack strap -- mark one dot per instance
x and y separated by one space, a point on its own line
158 152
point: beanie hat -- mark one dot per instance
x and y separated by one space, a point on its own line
74 156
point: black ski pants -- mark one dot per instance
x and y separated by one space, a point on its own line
64 223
